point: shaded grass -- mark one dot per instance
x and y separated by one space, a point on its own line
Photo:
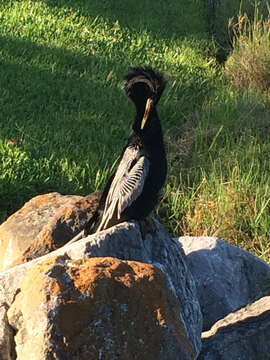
162 19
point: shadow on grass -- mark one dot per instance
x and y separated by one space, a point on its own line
42 84
164 19
66 112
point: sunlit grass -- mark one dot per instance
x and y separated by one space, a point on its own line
220 184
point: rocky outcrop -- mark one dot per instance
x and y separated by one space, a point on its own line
242 335
227 278
43 224
118 294
99 308
125 242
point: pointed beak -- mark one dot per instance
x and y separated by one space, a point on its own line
148 106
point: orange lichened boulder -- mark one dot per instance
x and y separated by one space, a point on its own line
98 308
43 224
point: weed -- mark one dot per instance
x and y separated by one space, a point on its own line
248 66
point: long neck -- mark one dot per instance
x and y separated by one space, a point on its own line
152 131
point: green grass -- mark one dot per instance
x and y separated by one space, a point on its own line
61 70
222 187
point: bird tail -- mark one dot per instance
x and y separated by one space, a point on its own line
143 83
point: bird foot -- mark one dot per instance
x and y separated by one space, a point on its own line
147 226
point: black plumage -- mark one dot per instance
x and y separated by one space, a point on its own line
132 191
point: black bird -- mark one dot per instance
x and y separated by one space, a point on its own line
132 191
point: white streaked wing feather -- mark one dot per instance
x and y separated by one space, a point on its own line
128 156
126 185
132 185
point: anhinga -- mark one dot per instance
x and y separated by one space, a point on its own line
132 191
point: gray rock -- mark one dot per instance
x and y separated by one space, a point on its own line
125 242
227 277
243 335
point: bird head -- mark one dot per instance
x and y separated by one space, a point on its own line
144 86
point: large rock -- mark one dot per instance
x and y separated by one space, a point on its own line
243 335
43 224
99 308
125 242
227 277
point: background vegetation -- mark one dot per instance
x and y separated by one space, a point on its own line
64 118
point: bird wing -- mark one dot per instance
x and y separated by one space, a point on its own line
132 185
126 186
